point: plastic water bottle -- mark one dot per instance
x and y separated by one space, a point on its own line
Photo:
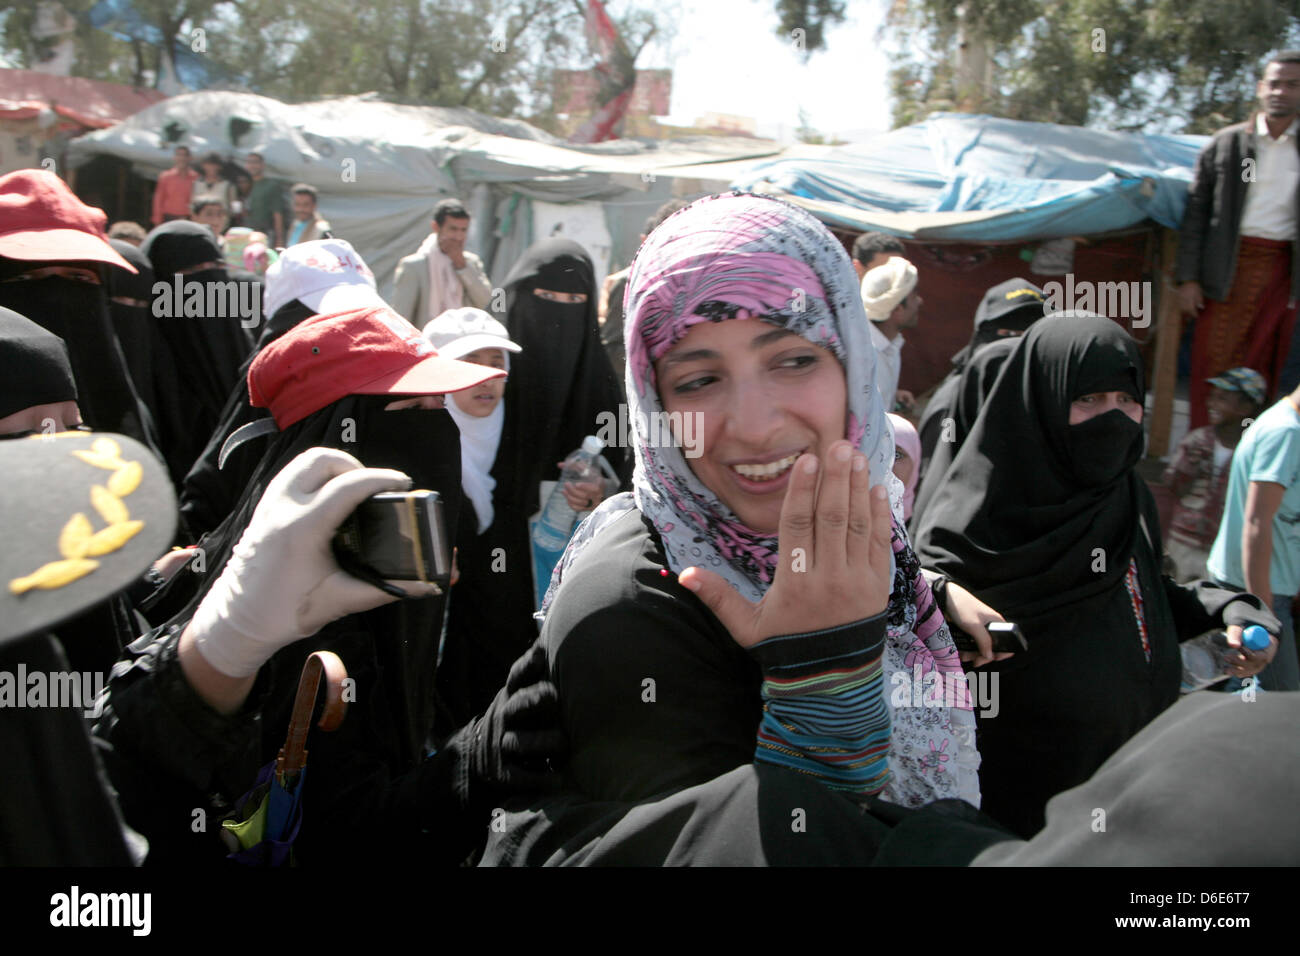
1203 662
555 524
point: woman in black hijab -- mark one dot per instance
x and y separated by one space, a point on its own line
559 385
371 792
212 487
562 380
205 350
37 394
1043 517
76 310
965 398
130 300
331 277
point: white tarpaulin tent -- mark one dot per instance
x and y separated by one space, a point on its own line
381 167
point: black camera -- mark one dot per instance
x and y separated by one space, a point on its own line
398 536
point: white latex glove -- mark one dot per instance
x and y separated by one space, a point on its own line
282 583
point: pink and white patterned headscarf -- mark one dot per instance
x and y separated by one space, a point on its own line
739 257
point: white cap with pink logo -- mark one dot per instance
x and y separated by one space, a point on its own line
326 275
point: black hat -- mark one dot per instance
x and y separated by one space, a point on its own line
1008 297
84 515
37 369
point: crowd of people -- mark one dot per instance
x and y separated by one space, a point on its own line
749 652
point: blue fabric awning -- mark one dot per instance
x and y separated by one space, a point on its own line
984 179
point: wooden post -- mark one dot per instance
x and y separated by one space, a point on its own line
1169 327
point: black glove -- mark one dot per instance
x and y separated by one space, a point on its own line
520 735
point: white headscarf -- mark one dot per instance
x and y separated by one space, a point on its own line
479 440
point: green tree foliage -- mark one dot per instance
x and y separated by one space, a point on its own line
805 22
99 55
1161 65
497 56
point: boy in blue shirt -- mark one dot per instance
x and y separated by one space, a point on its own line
1258 545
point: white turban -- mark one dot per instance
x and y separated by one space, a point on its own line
886 286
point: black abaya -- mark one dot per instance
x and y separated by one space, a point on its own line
559 385
366 784
205 351
210 490
1040 520
950 415
77 312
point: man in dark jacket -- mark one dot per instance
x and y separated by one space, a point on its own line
1237 247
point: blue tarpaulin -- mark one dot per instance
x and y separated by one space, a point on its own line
983 179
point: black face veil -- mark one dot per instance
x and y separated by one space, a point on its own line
561 381
206 345
1029 494
77 312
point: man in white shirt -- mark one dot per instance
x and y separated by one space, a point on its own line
893 304
441 274
1238 265
871 249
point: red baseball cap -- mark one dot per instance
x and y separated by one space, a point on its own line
42 221
370 351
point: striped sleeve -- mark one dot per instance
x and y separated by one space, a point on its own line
824 710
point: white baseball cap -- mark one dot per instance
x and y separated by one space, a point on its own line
326 275
457 332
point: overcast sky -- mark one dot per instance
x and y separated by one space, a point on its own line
727 58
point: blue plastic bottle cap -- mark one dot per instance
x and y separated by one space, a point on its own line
1255 638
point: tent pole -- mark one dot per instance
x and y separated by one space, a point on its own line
1168 333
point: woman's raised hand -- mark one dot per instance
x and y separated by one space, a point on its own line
834 566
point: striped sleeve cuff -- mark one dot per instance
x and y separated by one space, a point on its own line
824 709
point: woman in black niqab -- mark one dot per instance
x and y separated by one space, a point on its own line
562 380
211 487
1050 524
77 312
364 795
558 385
1003 527
130 300
205 351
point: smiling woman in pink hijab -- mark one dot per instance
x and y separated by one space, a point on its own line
748 606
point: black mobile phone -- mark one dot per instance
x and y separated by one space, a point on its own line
1006 638
396 535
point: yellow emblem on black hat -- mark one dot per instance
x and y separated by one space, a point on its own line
79 543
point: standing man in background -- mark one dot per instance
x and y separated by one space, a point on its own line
265 211
893 304
873 249
441 274
307 225
1237 246
171 197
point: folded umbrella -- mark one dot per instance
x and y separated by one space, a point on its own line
268 817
